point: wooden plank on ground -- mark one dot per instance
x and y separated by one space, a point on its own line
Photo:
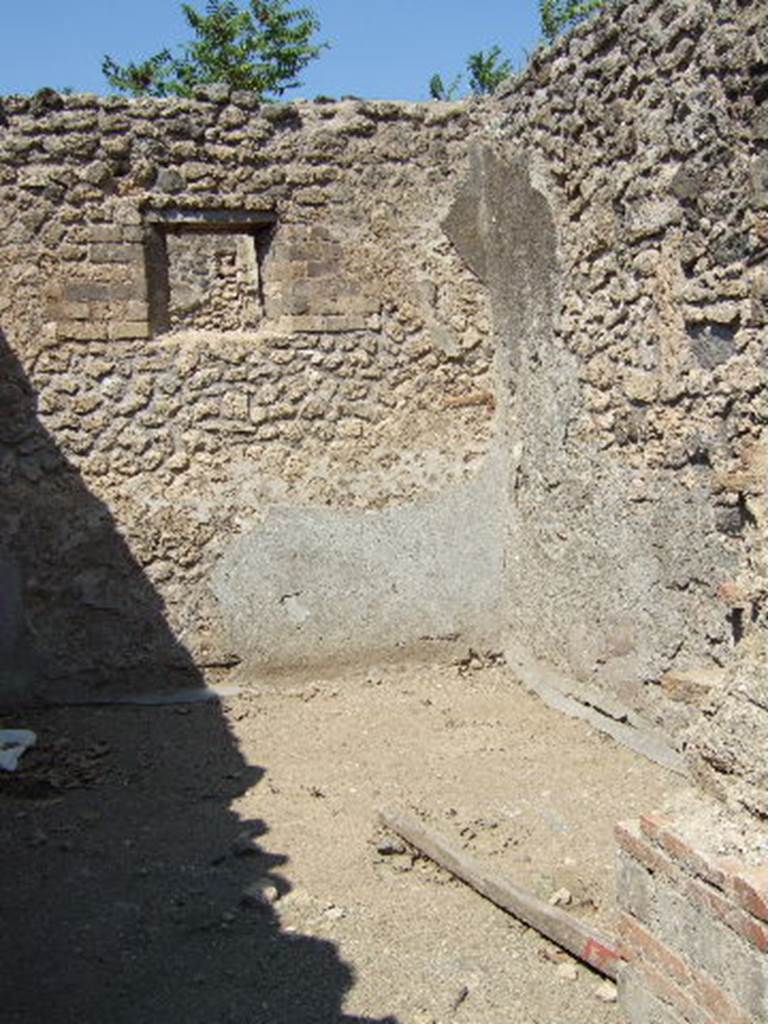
583 941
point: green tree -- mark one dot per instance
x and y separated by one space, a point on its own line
486 72
558 16
261 47
438 90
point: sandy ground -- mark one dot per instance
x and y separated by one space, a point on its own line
215 864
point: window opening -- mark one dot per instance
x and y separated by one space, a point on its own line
205 269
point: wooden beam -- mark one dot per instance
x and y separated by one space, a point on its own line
584 942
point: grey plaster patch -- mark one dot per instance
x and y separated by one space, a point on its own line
610 590
313 585
503 229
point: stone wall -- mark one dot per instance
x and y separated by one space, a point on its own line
238 342
364 379
636 357
634 288
290 385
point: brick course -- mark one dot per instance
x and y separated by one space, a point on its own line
691 924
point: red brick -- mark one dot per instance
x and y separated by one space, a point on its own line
687 989
712 998
652 823
690 859
674 845
753 931
649 856
670 993
660 828
750 886
703 1002
633 937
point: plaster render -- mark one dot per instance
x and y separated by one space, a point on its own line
314 585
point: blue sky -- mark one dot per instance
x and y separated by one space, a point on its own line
379 48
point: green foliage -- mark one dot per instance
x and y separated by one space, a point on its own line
152 77
438 90
486 72
261 47
558 16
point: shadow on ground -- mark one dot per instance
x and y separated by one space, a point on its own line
122 864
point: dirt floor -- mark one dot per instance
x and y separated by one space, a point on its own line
222 864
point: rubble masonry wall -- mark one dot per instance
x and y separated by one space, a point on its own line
288 385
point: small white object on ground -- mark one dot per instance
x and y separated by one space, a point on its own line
568 972
606 992
260 894
334 913
561 898
13 743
